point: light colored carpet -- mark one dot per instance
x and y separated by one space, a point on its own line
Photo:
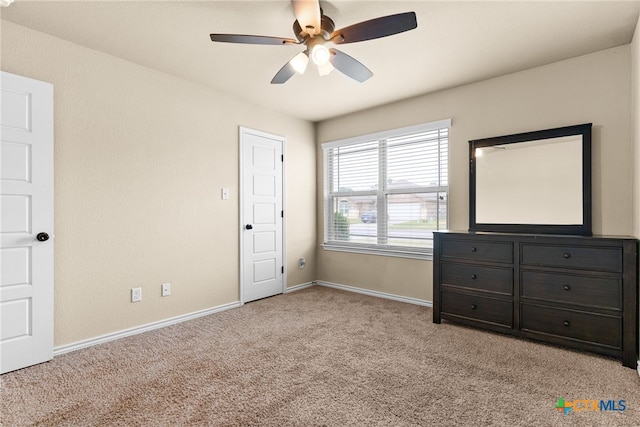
318 357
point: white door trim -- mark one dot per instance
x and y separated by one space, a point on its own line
241 131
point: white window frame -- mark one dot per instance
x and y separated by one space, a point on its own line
381 194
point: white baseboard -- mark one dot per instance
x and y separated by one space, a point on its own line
378 294
183 318
140 329
299 287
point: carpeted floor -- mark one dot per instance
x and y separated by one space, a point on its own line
318 357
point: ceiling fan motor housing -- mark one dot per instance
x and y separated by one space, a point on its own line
327 26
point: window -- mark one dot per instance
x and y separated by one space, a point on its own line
386 193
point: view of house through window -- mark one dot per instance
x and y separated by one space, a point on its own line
387 192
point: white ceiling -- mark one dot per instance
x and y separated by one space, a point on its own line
455 43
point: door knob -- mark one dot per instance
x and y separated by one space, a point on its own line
248 227
42 237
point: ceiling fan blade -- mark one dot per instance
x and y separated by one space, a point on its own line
285 73
350 66
247 39
375 28
308 15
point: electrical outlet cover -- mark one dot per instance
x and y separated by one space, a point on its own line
166 289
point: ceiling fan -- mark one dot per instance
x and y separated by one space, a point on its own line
314 29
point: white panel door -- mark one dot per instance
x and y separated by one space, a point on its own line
261 214
26 225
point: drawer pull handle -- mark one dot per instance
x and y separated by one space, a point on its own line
474 249
473 306
566 287
566 323
567 255
474 277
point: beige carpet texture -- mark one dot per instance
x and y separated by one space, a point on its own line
319 357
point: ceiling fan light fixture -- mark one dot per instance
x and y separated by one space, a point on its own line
320 55
299 62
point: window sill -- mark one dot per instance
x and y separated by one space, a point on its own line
397 253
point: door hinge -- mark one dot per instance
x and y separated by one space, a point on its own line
281 214
282 157
282 269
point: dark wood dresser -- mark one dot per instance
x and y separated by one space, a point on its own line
575 291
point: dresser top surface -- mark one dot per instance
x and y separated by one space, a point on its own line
527 236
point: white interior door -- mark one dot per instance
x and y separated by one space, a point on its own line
262 240
26 225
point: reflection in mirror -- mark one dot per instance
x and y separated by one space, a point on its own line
534 182
544 184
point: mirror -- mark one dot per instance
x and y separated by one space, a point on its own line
534 182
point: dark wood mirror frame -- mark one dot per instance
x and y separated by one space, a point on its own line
583 228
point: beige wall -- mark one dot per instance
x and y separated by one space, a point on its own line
140 158
593 88
635 117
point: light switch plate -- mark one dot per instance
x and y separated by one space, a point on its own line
225 194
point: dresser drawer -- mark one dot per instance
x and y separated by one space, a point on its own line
572 289
481 251
490 279
478 308
578 257
590 327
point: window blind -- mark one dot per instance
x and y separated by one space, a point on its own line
387 191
